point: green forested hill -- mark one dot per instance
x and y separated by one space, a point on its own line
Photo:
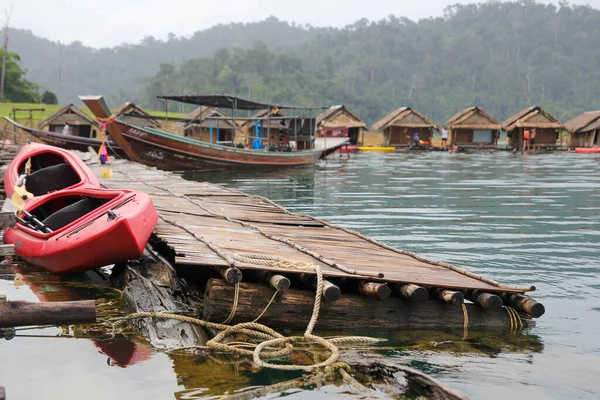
500 56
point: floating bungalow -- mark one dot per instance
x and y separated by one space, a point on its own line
80 124
547 127
400 125
209 124
584 130
473 128
135 115
339 122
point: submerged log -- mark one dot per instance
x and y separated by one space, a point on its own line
23 313
524 303
153 287
380 291
293 310
447 296
411 292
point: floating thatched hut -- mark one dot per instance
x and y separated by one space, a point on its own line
473 127
546 126
399 126
338 121
80 124
210 125
133 114
584 130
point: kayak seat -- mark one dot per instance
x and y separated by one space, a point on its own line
71 213
49 179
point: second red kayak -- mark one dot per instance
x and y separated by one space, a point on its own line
587 150
83 228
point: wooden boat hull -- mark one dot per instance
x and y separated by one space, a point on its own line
45 157
587 150
171 152
116 231
69 142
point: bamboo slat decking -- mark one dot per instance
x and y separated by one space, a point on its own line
208 226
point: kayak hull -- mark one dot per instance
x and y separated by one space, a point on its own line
587 150
116 231
375 148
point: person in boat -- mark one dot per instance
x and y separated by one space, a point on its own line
66 129
532 138
526 134
444 137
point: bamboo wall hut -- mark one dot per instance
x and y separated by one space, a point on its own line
210 125
80 124
584 130
338 121
546 126
128 112
260 128
399 126
473 127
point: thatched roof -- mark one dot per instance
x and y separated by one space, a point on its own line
131 108
70 114
339 116
404 117
263 114
532 117
203 114
473 118
588 121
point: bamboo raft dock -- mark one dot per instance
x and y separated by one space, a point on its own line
241 250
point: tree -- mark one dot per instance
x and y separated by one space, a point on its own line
7 15
17 88
49 98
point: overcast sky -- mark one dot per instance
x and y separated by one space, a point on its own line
108 23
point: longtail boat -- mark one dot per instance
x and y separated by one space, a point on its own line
42 169
68 142
167 151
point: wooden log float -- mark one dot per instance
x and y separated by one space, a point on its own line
23 313
380 291
231 275
277 282
331 292
524 303
488 301
293 310
2 393
411 292
7 219
447 296
7 250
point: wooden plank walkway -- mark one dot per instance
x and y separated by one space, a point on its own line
210 226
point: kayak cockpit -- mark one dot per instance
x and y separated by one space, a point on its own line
47 172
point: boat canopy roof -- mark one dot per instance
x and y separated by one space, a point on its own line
229 101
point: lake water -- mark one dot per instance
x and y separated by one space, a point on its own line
519 219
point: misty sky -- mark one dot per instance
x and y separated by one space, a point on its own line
111 22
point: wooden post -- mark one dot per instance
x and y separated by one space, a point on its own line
294 308
380 291
22 313
488 301
411 292
447 296
231 275
523 303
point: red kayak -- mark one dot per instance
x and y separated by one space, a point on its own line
50 169
587 150
83 228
